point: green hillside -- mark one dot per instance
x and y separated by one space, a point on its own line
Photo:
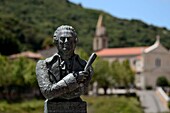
29 25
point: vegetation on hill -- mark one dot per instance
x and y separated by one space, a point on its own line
29 25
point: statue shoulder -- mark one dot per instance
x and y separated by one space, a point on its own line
40 65
43 64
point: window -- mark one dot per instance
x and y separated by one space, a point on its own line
157 62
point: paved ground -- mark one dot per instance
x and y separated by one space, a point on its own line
150 102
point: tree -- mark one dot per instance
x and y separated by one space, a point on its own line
16 76
82 53
47 43
129 78
5 72
23 73
102 74
8 43
162 81
29 73
122 73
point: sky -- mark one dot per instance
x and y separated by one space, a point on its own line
155 12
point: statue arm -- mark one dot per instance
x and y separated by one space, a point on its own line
50 90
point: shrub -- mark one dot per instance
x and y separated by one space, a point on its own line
162 81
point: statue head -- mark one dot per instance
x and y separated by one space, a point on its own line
65 38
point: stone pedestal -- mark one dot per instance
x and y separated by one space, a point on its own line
65 107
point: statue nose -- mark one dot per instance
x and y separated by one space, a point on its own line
66 40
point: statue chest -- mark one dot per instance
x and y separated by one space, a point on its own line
59 70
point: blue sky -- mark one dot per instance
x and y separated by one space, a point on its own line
155 12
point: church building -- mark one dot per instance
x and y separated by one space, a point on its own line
149 63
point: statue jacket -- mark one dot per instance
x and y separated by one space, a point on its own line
56 79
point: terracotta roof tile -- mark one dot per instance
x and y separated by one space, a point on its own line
121 51
28 54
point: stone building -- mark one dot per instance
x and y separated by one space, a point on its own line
27 54
148 62
100 40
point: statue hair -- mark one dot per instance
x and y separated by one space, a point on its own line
64 30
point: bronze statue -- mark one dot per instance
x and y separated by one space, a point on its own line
64 76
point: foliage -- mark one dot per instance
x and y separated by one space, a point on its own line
33 106
162 81
102 73
104 104
111 104
115 74
47 43
122 74
25 25
4 71
82 53
17 78
169 104
18 72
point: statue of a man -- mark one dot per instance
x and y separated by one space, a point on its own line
62 76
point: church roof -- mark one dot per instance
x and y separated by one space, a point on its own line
121 51
27 54
129 50
154 46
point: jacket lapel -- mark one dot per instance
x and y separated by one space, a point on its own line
55 70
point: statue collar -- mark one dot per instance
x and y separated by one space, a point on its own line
48 60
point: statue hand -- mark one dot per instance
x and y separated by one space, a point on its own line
81 76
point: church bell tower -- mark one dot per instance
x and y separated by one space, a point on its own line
100 40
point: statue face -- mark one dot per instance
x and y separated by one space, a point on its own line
66 45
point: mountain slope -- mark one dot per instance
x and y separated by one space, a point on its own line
29 25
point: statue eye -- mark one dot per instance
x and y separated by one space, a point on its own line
61 39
